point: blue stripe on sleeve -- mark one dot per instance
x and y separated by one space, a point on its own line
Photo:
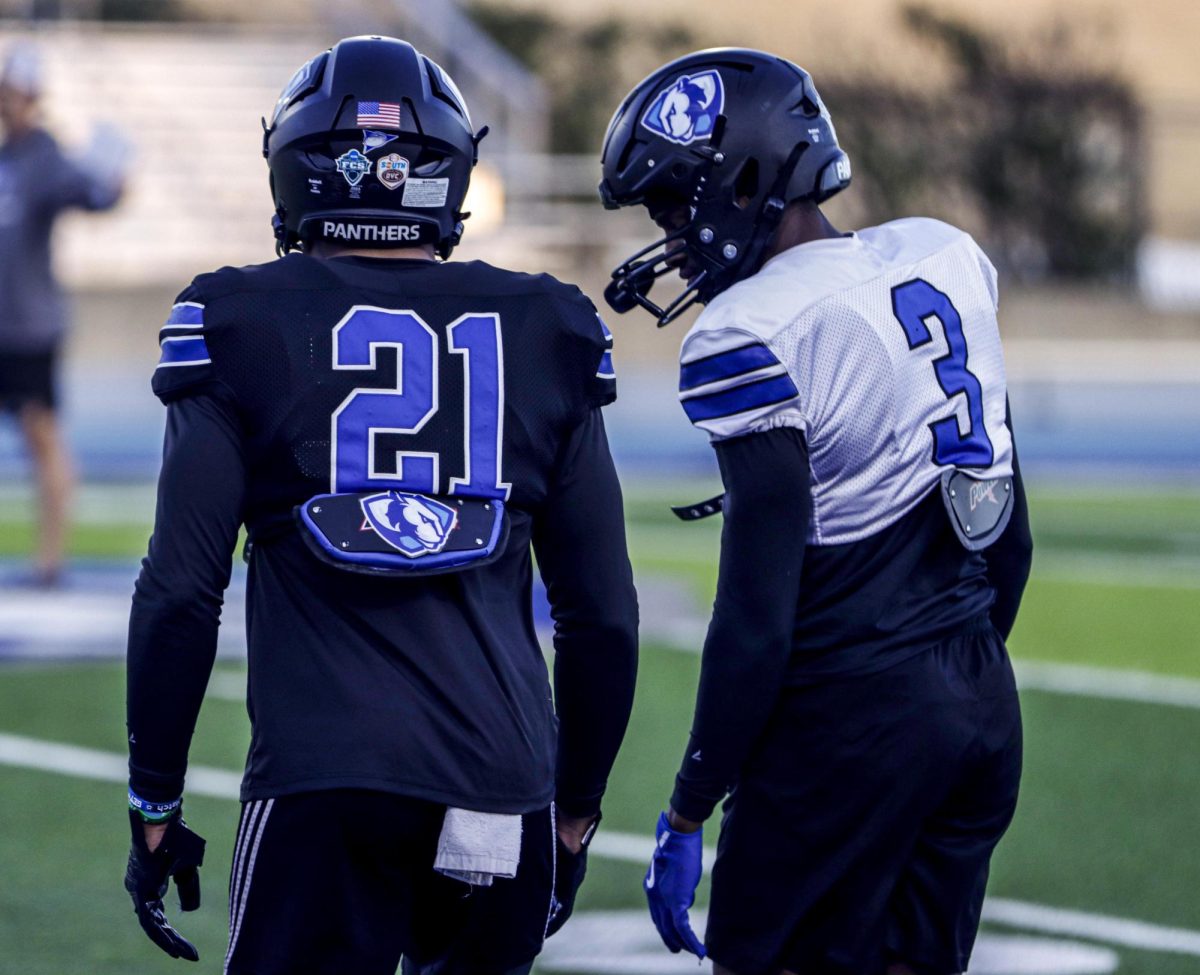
725 365
750 396
189 351
604 329
186 313
606 370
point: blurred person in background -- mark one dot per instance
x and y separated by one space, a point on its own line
856 709
37 183
396 432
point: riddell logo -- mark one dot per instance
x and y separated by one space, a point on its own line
983 491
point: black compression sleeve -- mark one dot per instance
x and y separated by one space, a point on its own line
1009 558
768 504
178 596
579 540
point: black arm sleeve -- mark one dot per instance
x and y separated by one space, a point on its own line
178 596
768 504
1009 558
579 540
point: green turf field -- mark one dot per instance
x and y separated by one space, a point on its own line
1106 825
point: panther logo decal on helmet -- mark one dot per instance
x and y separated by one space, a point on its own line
687 111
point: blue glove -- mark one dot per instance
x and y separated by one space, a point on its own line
670 885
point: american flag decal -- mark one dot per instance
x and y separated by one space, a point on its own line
376 114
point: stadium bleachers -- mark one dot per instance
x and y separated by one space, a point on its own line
190 99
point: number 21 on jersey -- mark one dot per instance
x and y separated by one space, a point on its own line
405 408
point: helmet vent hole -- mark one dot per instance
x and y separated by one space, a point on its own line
679 171
412 114
439 89
626 152
745 187
806 107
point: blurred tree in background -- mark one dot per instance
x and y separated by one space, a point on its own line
1032 144
587 67
115 10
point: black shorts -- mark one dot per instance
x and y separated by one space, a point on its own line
28 377
862 828
329 883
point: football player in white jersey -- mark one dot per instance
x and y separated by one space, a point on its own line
856 708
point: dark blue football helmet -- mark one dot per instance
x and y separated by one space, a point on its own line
370 143
734 135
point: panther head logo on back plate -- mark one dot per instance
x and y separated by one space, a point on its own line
413 523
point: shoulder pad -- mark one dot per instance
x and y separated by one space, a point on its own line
604 385
988 270
184 361
731 383
595 338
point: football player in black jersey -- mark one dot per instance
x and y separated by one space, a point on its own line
395 432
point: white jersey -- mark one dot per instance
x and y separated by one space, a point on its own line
882 347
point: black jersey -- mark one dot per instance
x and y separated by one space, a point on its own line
305 377
811 616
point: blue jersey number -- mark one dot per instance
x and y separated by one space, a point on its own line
913 304
405 409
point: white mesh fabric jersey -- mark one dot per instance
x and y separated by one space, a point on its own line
882 346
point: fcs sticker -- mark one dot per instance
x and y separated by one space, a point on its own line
392 170
353 165
415 524
687 111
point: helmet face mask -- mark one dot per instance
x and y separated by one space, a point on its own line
371 144
735 135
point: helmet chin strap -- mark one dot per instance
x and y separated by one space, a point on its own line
623 295
771 214
632 280
279 227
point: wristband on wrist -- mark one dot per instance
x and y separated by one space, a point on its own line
153 812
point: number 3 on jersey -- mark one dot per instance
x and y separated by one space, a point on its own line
913 304
406 408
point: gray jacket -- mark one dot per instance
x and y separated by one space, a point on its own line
37 182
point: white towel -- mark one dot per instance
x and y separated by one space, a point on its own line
476 847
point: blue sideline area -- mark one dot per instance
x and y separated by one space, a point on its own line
1127 431
87 616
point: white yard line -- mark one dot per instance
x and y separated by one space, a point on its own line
1112 685
1097 927
1073 680
1123 571
89 763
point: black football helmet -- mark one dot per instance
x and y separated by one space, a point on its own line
370 143
733 134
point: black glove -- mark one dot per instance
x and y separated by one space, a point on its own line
179 855
569 871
